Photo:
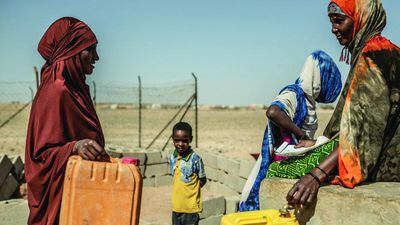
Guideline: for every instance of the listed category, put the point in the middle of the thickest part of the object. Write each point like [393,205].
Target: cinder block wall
[226,178]
[368,204]
[11,176]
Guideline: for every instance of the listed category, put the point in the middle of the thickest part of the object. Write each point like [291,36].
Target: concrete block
[236,183]
[5,168]
[8,187]
[166,153]
[209,159]
[213,220]
[14,212]
[157,169]
[229,165]
[141,155]
[143,170]
[222,177]
[149,182]
[232,204]
[18,167]
[211,173]
[245,167]
[374,203]
[163,181]
[213,207]
[155,157]
[114,153]
[220,189]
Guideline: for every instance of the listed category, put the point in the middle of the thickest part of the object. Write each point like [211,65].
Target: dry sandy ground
[225,131]
[156,204]
[232,132]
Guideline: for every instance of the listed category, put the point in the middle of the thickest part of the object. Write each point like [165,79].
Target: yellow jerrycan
[262,217]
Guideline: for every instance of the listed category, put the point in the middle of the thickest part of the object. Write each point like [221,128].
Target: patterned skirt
[296,166]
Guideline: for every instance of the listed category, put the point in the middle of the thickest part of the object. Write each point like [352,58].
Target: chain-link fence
[15,99]
[131,115]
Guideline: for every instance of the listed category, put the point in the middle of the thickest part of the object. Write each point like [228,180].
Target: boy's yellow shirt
[186,189]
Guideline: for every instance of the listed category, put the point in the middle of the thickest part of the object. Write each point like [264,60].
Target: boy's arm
[203,181]
[202,173]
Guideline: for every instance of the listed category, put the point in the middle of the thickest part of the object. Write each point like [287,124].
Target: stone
[163,181]
[8,187]
[245,168]
[157,170]
[212,220]
[5,168]
[232,204]
[213,206]
[374,203]
[229,165]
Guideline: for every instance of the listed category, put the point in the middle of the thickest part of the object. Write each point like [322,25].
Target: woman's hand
[305,143]
[90,150]
[304,191]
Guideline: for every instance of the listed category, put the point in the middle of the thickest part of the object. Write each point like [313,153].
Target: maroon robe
[61,114]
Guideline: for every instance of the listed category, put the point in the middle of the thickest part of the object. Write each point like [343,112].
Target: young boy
[189,176]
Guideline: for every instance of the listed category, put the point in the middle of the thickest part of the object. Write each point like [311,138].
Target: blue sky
[243,52]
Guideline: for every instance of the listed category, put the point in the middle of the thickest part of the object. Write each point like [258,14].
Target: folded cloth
[285,149]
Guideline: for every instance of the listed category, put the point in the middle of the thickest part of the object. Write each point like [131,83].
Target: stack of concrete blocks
[213,210]
[226,176]
[11,175]
[367,203]
[153,164]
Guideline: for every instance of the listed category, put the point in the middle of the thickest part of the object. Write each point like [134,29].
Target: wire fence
[132,115]
[15,99]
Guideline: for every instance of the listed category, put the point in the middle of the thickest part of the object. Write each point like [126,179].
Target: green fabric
[296,167]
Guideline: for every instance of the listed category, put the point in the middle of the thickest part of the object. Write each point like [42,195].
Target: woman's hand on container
[89,149]
[304,191]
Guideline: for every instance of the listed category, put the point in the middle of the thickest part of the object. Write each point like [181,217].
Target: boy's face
[181,141]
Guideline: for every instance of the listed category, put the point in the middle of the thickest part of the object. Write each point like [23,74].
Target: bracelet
[322,170]
[315,177]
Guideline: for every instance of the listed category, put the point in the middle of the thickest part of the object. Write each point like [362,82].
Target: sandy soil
[156,204]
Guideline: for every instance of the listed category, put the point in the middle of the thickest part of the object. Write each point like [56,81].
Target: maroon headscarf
[61,114]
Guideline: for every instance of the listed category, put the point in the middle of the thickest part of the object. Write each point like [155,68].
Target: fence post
[36,77]
[180,120]
[140,112]
[94,93]
[195,108]
[32,93]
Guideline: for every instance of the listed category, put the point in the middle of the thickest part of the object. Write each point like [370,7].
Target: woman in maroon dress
[63,120]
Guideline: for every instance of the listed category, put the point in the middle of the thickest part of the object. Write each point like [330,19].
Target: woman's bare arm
[279,118]
[305,190]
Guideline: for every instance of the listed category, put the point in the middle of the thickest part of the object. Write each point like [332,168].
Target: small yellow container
[261,217]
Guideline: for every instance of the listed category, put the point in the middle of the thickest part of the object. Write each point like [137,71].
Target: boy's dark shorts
[185,218]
